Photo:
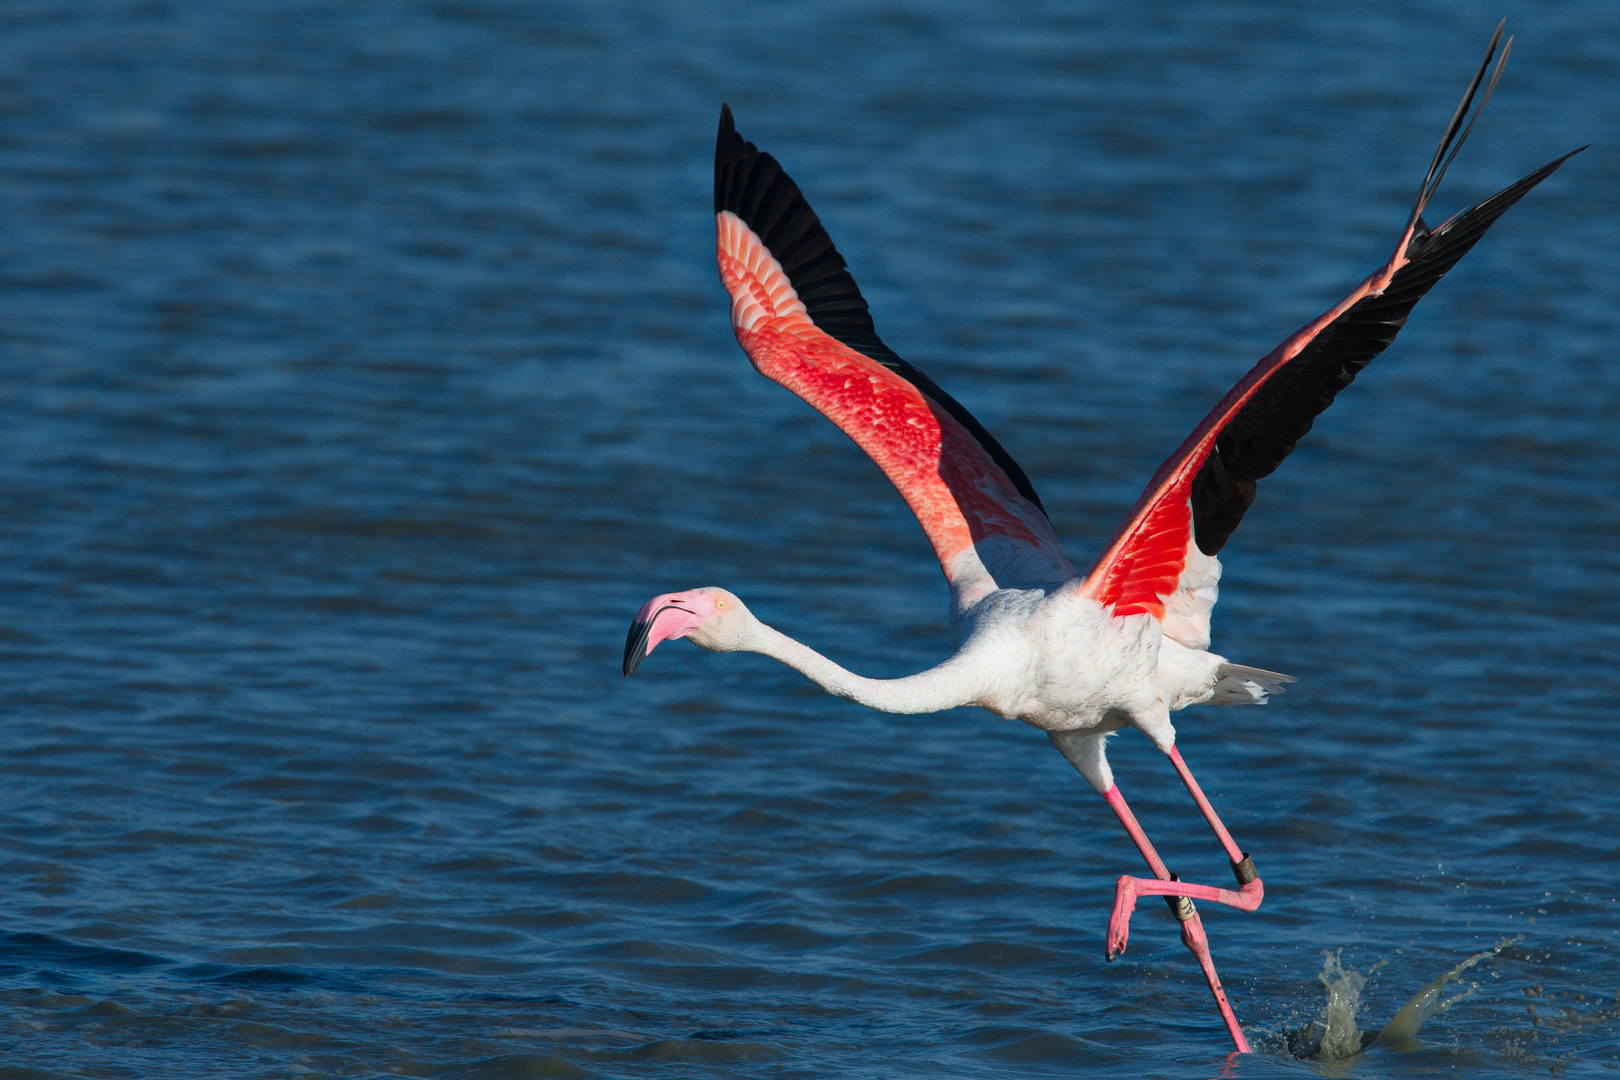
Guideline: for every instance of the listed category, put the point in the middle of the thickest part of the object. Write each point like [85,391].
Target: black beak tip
[635,643]
[635,646]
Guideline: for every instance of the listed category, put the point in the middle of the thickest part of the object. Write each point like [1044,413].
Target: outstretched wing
[802,321]
[1162,561]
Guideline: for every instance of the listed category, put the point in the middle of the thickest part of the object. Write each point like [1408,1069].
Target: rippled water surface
[364,369]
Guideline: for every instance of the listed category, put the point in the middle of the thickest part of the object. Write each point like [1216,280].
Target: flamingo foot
[1119,922]
[1179,895]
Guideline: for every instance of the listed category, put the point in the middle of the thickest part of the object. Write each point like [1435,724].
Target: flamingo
[1080,656]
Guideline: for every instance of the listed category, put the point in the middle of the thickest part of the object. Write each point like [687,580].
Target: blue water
[365,368]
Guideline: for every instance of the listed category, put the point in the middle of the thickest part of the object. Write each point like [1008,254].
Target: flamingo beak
[662,618]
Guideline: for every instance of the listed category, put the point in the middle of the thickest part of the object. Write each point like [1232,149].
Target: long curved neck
[953,683]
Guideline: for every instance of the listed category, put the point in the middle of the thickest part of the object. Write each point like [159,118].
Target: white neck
[953,683]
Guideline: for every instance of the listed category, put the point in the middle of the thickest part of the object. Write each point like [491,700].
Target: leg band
[1180,906]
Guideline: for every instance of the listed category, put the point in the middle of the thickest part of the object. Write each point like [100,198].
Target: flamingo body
[1124,644]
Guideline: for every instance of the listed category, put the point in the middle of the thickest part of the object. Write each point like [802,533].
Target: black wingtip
[728,147]
[1459,233]
[1442,160]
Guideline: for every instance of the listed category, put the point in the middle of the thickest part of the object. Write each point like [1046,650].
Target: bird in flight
[1078,655]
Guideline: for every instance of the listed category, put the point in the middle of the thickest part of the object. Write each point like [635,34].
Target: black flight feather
[1266,429]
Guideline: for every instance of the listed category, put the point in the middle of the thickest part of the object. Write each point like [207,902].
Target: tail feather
[1239,685]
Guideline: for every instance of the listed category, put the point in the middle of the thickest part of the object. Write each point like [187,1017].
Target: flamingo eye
[720,604]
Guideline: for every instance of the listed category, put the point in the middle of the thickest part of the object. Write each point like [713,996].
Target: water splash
[1400,1033]
[1335,1035]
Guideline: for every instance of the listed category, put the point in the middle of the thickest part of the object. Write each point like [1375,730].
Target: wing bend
[802,321]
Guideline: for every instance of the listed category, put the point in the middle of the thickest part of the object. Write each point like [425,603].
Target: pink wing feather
[976,506]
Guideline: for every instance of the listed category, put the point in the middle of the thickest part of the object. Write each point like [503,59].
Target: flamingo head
[709,617]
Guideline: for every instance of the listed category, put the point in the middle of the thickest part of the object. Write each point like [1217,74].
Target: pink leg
[1176,893]
[1237,857]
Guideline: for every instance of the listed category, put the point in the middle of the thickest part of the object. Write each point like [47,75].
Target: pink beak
[664,618]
